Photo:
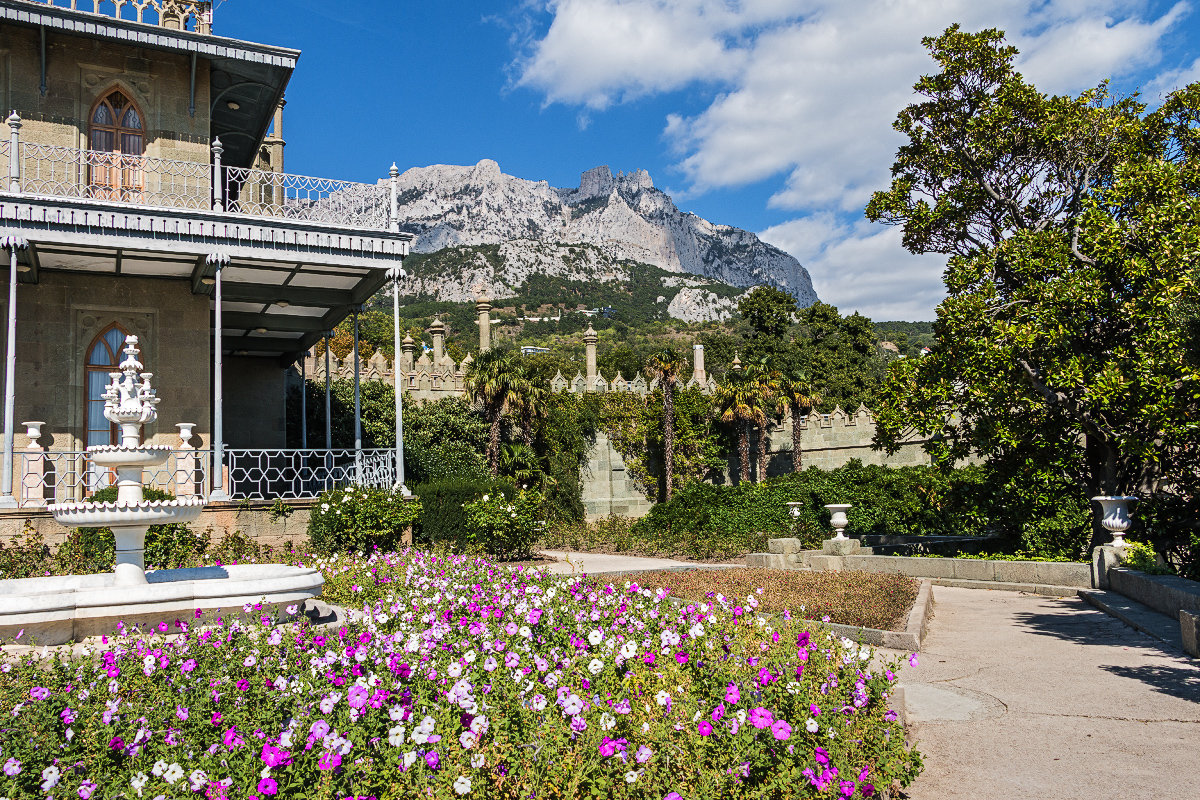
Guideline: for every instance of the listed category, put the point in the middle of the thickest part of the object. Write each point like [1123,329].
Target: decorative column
[14,154]
[483,309]
[304,401]
[13,243]
[33,467]
[218,180]
[437,331]
[408,349]
[698,374]
[218,261]
[328,400]
[185,465]
[394,207]
[397,375]
[589,345]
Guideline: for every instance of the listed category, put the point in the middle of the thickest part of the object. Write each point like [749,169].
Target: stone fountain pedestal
[56,610]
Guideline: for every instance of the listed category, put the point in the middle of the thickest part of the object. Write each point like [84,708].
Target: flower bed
[861,599]
[463,679]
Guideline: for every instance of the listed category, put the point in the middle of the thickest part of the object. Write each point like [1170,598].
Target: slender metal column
[397,378]
[303,402]
[328,399]
[13,243]
[357,404]
[219,490]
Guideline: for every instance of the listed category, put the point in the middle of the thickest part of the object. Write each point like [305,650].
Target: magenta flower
[761,718]
[649,658]
[821,755]
[357,696]
[268,786]
[188,665]
[275,757]
[608,747]
[681,657]
[781,730]
[718,712]
[866,790]
[432,759]
[333,761]
[672,796]
[803,639]
[846,788]
[912,660]
[39,693]
[643,754]
[182,713]
[732,695]
[12,767]
[704,728]
[86,789]
[116,744]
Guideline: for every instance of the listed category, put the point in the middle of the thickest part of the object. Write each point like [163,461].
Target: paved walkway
[1022,696]
[596,563]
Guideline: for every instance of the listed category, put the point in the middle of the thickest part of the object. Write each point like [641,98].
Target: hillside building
[145,195]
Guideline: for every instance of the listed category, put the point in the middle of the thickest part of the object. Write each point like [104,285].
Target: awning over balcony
[271,307]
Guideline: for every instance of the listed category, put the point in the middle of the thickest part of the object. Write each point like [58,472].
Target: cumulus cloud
[805,91]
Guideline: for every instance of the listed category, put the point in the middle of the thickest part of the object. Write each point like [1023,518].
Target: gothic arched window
[103,356]
[117,142]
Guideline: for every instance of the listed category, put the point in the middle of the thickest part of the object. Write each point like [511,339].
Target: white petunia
[396,736]
[595,666]
[173,773]
[462,784]
[811,725]
[607,721]
[596,636]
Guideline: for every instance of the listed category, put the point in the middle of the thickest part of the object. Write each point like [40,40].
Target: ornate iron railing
[188,15]
[261,193]
[55,171]
[56,476]
[296,474]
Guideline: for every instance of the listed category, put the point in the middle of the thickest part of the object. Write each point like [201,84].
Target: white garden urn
[838,519]
[794,508]
[1114,510]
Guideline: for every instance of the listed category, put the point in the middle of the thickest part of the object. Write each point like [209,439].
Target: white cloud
[862,267]
[806,90]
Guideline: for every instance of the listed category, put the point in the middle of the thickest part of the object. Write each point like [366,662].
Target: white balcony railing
[187,15]
[42,170]
[57,476]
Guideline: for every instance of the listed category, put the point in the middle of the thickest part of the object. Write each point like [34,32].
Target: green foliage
[443,523]
[1070,223]
[769,311]
[1141,556]
[357,519]
[505,527]
[443,439]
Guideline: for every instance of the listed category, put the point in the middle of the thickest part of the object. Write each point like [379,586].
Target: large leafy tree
[1072,226]
[666,365]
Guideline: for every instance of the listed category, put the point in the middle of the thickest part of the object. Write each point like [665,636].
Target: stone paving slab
[1025,696]
[1137,616]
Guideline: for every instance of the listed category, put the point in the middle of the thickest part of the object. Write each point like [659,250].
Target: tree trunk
[797,455]
[1102,479]
[764,440]
[494,445]
[668,437]
[744,449]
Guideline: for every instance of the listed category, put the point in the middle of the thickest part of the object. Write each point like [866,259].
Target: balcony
[180,15]
[49,171]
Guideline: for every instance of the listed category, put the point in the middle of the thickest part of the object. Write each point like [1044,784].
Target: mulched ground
[850,598]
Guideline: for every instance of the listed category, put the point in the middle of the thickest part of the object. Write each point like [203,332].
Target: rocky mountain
[623,215]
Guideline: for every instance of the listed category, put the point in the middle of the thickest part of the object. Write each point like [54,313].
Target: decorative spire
[127,402]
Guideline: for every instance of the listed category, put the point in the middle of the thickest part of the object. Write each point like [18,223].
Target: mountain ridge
[624,216]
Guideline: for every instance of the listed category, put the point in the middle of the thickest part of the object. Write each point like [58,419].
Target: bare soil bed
[861,599]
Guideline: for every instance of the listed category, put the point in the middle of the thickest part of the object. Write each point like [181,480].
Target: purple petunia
[432,759]
[39,693]
[761,718]
[268,786]
[732,695]
[357,696]
[331,761]
[781,730]
[705,728]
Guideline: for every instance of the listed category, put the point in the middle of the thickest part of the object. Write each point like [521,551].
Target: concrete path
[597,563]
[1023,696]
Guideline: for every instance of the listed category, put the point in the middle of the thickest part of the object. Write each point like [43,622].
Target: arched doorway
[117,142]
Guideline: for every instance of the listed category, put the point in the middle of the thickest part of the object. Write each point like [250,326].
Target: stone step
[1136,615]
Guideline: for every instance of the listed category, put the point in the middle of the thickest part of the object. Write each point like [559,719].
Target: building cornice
[198,232]
[144,35]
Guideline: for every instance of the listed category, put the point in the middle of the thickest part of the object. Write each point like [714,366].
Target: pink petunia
[781,730]
[761,718]
[704,728]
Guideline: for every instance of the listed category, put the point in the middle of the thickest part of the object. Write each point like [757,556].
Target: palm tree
[666,365]
[496,382]
[743,401]
[796,397]
[530,402]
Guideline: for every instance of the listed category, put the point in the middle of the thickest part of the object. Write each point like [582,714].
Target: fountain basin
[56,610]
[118,514]
[142,456]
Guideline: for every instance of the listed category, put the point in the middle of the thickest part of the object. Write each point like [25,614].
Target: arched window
[117,142]
[102,358]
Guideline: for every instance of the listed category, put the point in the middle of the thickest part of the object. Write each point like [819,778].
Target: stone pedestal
[1104,558]
[1189,627]
[842,547]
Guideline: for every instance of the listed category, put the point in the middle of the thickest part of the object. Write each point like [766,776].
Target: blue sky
[771,115]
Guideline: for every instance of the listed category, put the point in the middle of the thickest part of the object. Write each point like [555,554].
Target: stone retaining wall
[1166,594]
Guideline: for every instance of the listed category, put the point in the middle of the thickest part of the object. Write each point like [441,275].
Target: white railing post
[33,467]
[218,183]
[219,490]
[14,156]
[357,402]
[394,209]
[328,417]
[397,382]
[185,466]
[13,243]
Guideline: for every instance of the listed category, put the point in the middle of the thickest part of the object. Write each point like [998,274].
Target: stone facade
[61,317]
[79,71]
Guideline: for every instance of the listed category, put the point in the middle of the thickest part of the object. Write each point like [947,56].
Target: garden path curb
[1137,616]
[914,631]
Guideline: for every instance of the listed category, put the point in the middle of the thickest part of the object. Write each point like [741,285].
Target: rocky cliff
[623,215]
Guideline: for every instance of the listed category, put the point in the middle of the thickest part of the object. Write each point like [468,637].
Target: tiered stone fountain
[60,609]
[129,403]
